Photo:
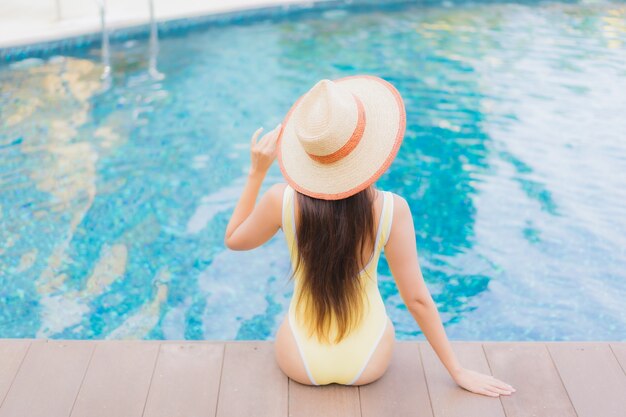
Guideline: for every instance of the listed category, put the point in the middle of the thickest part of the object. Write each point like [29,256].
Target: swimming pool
[113,202]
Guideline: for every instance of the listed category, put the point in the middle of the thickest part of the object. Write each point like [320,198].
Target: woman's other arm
[250,226]
[401,254]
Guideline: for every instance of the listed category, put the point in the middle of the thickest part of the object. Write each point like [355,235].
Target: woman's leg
[290,361]
[379,362]
[288,355]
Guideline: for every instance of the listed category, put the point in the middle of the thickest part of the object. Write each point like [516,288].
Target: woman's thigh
[379,362]
[288,355]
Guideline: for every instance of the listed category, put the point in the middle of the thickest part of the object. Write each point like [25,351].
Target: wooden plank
[619,350]
[12,352]
[48,380]
[592,377]
[186,380]
[117,380]
[447,397]
[527,366]
[332,400]
[186,377]
[252,383]
[402,390]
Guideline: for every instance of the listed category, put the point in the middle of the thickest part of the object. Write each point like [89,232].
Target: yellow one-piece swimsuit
[344,362]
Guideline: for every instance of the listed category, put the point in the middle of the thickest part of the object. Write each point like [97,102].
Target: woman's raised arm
[250,226]
[401,254]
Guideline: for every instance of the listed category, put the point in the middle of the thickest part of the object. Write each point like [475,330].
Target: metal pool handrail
[106,52]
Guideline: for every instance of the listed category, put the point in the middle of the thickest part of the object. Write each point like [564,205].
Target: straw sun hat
[341,135]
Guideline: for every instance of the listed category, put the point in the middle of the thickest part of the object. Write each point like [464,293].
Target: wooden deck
[51,378]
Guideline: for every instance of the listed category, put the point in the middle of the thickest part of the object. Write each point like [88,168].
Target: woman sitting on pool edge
[334,143]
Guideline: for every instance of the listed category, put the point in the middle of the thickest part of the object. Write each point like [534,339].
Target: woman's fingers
[277,128]
[487,392]
[270,138]
[484,384]
[496,385]
[501,384]
[499,390]
[492,390]
[255,135]
[274,143]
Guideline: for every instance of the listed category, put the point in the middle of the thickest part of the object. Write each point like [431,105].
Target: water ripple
[113,203]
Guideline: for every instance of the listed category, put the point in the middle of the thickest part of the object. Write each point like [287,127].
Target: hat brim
[385,124]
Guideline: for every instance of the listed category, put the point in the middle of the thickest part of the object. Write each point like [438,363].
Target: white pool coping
[25,22]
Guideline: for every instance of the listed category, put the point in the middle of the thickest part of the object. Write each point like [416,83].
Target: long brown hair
[331,236]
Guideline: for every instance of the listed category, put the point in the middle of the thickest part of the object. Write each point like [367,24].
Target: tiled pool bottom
[113,202]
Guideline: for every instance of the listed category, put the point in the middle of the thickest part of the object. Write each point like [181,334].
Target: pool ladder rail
[106,51]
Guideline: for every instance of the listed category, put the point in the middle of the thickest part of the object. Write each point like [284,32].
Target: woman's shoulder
[400,205]
[397,198]
[277,190]
[279,186]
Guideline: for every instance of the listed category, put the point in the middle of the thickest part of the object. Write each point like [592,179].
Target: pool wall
[31,21]
[24,34]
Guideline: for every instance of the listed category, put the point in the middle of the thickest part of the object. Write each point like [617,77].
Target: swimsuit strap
[387,219]
[286,208]
[288,218]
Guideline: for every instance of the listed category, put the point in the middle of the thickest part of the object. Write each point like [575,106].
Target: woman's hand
[481,383]
[263,152]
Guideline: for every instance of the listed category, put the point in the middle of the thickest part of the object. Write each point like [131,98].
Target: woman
[334,143]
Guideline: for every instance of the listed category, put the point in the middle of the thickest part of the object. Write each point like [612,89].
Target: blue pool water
[114,202]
